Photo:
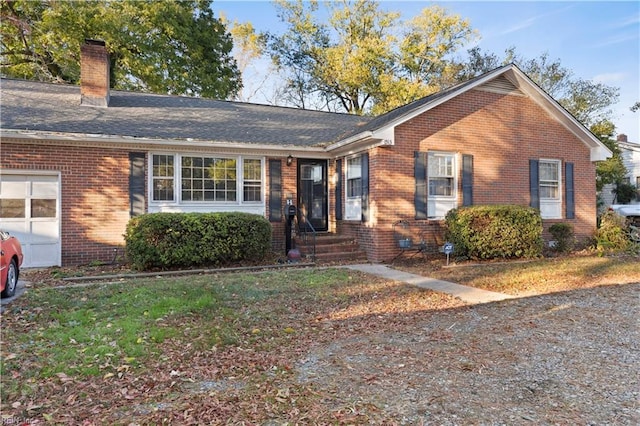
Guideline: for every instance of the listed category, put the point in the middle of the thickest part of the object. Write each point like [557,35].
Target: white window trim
[439,205]
[353,205]
[551,208]
[177,181]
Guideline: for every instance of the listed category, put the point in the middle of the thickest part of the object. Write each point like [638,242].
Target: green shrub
[612,233]
[625,193]
[563,235]
[486,232]
[169,240]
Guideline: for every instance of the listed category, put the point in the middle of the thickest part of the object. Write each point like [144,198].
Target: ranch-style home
[76,163]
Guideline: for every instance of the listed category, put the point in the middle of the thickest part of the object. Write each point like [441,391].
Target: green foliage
[612,234]
[503,231]
[169,240]
[588,101]
[563,236]
[357,60]
[175,47]
[625,193]
[612,170]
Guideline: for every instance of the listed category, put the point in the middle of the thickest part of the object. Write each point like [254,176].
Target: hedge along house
[77,163]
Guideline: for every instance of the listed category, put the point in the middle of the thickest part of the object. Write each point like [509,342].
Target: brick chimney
[622,138]
[94,74]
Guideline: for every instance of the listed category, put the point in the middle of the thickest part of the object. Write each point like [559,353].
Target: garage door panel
[20,230]
[29,210]
[42,255]
[43,232]
[12,188]
[44,189]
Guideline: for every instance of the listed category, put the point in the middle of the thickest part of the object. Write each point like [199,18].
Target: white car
[630,211]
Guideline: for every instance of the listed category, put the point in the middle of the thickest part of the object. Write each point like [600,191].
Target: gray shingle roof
[44,107]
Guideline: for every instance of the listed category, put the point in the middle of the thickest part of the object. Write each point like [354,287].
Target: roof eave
[159,144]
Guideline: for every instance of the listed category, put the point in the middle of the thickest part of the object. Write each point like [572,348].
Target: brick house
[77,162]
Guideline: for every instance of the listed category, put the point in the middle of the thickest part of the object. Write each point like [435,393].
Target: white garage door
[30,210]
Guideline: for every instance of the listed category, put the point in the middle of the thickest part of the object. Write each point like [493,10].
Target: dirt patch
[555,359]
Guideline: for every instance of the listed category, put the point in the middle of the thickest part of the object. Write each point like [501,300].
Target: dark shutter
[339,189]
[275,190]
[136,183]
[534,185]
[420,175]
[569,192]
[467,180]
[365,187]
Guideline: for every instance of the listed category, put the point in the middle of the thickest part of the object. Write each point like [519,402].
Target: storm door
[313,193]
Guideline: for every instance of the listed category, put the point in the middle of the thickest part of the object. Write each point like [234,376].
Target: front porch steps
[331,248]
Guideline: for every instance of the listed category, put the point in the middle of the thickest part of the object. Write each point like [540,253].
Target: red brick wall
[94,195]
[94,74]
[502,132]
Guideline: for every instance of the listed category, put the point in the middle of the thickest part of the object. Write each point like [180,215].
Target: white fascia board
[164,144]
[352,139]
[363,142]
[599,151]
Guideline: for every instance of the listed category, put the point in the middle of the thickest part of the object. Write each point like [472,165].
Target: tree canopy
[357,60]
[175,47]
[588,101]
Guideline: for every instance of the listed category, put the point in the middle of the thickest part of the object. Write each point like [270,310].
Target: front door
[313,193]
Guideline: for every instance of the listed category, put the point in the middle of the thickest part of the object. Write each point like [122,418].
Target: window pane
[252,184]
[12,208]
[440,165]
[162,177]
[43,208]
[549,179]
[163,189]
[354,187]
[252,169]
[548,171]
[354,167]
[548,191]
[354,177]
[441,186]
[252,193]
[440,171]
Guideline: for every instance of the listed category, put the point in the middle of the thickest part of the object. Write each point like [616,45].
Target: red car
[10,262]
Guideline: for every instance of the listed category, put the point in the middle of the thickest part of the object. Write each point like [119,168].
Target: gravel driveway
[565,358]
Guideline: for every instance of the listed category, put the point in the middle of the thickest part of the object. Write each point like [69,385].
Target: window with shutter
[441,183]
[546,187]
[353,205]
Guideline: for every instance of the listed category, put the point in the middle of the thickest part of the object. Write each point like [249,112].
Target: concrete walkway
[466,294]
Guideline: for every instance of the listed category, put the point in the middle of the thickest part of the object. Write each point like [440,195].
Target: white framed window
[200,179]
[353,205]
[252,180]
[163,178]
[442,183]
[550,187]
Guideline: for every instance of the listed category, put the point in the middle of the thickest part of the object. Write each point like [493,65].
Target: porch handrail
[304,231]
